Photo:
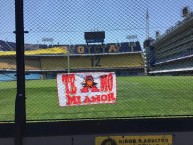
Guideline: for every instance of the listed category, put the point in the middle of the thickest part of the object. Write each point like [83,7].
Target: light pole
[68,61]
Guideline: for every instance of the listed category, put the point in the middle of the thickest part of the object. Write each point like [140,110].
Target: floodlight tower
[186,12]
[147,41]
[147,24]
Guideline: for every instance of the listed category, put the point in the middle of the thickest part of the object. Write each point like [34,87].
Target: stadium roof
[172,70]
[172,60]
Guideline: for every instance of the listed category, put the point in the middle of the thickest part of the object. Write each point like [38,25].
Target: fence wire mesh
[146,44]
[7,62]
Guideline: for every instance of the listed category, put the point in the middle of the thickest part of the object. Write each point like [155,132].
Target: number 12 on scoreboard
[95,61]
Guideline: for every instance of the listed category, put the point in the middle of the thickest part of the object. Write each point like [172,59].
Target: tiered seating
[118,61]
[91,62]
[32,64]
[106,48]
[107,61]
[10,64]
[138,46]
[125,47]
[80,48]
[7,63]
[53,63]
[111,55]
[7,46]
[184,63]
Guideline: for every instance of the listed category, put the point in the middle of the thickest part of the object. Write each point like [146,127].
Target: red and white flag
[86,88]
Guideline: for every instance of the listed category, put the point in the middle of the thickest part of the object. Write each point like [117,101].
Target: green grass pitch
[163,96]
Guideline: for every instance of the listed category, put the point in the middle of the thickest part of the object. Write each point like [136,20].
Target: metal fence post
[20,112]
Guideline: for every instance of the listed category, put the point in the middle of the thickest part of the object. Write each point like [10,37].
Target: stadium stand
[79,48]
[107,61]
[7,46]
[53,63]
[35,46]
[7,63]
[123,58]
[32,64]
[106,48]
[173,51]
[89,62]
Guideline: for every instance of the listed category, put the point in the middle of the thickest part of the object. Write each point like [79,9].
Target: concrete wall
[179,138]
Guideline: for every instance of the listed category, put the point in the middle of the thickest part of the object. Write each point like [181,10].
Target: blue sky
[66,20]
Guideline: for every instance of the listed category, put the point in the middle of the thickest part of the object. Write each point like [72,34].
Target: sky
[66,20]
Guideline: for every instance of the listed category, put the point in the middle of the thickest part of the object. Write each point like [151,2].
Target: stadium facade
[124,58]
[172,52]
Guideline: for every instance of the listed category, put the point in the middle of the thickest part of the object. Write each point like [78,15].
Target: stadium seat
[107,61]
[7,63]
[32,64]
[53,63]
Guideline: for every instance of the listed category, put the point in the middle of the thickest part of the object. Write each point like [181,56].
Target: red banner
[86,88]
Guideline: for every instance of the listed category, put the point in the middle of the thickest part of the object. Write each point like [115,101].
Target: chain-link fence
[7,62]
[100,59]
